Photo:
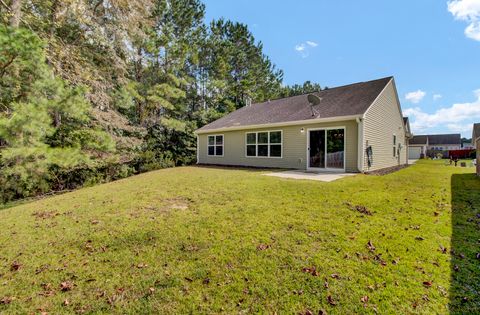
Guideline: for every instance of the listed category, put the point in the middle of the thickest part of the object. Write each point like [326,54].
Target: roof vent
[313,100]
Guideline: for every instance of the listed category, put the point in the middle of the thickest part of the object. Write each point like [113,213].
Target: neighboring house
[355,128]
[467,144]
[476,141]
[420,146]
[417,147]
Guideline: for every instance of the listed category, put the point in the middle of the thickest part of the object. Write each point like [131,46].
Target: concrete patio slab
[323,177]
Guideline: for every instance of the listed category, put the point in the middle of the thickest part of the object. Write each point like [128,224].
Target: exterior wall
[478,156]
[444,147]
[294,148]
[381,121]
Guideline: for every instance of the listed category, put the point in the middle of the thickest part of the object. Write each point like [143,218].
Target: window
[264,144]
[394,145]
[215,145]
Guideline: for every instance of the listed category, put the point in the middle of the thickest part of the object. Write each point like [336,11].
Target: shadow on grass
[241,168]
[465,246]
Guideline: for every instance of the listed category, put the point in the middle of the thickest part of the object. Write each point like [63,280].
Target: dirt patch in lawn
[388,170]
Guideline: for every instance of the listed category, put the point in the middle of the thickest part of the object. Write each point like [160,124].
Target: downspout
[361,156]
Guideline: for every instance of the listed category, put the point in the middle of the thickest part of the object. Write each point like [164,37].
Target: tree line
[95,90]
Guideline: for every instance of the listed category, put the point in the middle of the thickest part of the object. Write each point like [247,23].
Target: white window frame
[267,144]
[215,145]
[307,156]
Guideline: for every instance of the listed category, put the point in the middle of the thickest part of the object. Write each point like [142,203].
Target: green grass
[187,240]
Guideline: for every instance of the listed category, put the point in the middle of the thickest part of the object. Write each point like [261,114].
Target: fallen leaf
[7,300]
[335,276]
[263,246]
[456,268]
[419,238]
[151,290]
[364,299]
[94,222]
[427,284]
[15,266]
[66,286]
[66,302]
[142,265]
[188,279]
[331,301]
[311,270]
[206,281]
[370,246]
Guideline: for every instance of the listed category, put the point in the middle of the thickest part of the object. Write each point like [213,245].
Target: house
[417,147]
[420,146]
[476,142]
[354,128]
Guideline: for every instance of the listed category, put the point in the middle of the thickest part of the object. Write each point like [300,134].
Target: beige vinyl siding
[381,121]
[294,147]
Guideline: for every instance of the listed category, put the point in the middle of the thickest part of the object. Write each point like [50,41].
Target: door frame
[326,169]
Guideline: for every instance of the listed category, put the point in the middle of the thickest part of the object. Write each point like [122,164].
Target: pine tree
[43,123]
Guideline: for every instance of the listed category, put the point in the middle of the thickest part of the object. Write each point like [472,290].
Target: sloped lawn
[210,240]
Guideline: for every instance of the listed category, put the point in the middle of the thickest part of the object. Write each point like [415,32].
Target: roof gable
[348,100]
[418,140]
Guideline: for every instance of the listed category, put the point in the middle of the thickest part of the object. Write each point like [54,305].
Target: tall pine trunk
[16,7]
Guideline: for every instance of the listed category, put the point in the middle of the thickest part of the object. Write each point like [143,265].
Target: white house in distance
[419,145]
[355,128]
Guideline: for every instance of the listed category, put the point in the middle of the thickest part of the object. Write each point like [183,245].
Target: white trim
[215,145]
[360,157]
[281,124]
[198,149]
[344,150]
[267,144]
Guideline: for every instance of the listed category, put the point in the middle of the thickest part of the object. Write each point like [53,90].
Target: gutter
[280,124]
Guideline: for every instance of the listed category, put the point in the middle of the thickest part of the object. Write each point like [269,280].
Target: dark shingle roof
[445,139]
[418,140]
[353,99]
[437,139]
[476,131]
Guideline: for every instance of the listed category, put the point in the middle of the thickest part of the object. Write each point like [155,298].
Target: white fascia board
[281,124]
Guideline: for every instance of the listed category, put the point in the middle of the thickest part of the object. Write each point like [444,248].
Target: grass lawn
[211,240]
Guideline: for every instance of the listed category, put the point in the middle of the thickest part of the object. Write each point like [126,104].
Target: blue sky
[432,47]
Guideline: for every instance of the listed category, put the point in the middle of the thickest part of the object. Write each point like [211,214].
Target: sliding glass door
[326,149]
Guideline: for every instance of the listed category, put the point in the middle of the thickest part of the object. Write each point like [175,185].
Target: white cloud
[468,11]
[459,117]
[415,96]
[300,47]
[304,48]
[437,96]
[473,30]
[460,128]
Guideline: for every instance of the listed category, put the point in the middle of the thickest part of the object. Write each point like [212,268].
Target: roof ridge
[327,89]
